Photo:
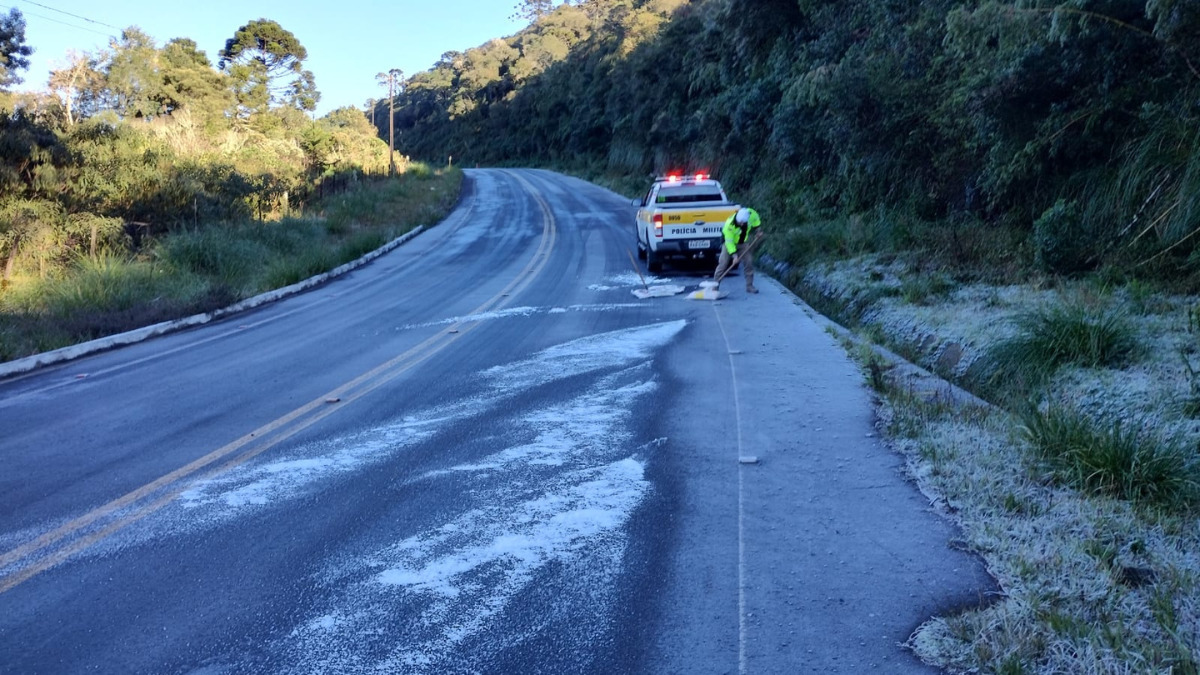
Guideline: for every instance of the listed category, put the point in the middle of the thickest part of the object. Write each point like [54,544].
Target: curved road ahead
[479,453]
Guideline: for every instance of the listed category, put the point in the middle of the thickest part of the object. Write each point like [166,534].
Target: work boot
[751,289]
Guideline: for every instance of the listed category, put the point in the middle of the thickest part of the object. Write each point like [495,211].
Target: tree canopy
[530,10]
[14,53]
[947,111]
[138,133]
[266,64]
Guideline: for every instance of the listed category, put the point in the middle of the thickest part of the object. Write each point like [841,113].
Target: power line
[47,18]
[55,9]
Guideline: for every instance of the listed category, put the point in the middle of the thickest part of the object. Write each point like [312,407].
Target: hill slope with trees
[1002,133]
[149,183]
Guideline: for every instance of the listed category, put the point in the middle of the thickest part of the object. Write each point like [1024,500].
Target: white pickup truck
[681,217]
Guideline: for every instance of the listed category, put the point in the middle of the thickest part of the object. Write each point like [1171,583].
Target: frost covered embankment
[1091,583]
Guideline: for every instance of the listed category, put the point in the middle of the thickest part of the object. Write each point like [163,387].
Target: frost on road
[530,532]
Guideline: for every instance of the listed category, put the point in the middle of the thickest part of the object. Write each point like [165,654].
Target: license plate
[698,243]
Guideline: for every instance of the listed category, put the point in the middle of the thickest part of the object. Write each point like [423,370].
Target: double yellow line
[60,544]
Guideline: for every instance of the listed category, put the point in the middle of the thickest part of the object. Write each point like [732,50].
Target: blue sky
[348,41]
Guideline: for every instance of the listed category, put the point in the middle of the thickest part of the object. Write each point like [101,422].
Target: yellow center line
[349,392]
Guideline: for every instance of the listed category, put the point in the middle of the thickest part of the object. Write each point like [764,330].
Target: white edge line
[737,413]
[82,349]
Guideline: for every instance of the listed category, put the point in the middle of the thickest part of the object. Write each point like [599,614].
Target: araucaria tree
[14,53]
[531,10]
[266,65]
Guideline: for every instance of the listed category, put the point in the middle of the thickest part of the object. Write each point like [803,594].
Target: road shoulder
[825,554]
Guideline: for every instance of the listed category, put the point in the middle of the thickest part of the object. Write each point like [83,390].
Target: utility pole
[392,77]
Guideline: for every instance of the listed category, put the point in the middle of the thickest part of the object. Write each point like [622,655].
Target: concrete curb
[919,379]
[29,363]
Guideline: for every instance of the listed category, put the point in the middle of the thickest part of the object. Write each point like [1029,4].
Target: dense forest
[1006,135]
[142,139]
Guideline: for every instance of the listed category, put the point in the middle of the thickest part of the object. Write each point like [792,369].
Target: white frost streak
[520,312]
[585,355]
[256,485]
[512,545]
[556,505]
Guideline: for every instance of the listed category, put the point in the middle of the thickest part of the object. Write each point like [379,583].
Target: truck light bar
[678,177]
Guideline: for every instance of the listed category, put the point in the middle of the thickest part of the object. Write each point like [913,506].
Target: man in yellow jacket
[737,231]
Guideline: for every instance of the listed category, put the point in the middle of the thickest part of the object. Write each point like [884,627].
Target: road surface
[479,453]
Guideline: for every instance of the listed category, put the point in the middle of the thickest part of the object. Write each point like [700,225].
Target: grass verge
[1086,522]
[216,265]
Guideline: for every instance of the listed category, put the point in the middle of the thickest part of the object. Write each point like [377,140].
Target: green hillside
[151,182]
[999,137]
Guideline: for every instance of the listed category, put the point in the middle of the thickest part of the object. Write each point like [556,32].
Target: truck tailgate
[690,216]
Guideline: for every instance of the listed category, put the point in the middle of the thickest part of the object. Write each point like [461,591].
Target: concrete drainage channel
[916,379]
[29,363]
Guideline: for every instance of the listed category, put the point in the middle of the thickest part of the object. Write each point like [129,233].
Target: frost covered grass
[1081,496]
[1050,338]
[1123,458]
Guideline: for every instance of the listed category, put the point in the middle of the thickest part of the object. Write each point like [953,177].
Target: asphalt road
[479,453]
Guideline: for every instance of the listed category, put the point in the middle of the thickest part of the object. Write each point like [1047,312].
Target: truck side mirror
[638,202]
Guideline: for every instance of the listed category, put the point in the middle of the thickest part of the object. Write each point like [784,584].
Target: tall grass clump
[110,283]
[412,200]
[224,254]
[1049,339]
[360,244]
[1122,458]
[287,271]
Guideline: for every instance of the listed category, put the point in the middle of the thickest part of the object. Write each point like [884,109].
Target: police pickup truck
[680,217]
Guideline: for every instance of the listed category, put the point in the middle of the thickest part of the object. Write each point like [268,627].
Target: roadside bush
[105,283]
[361,244]
[1123,459]
[288,271]
[1059,239]
[921,289]
[82,297]
[1049,339]
[224,254]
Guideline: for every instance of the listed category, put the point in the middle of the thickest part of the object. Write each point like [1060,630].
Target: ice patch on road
[266,483]
[627,279]
[538,531]
[434,592]
[550,513]
[461,578]
[589,354]
[260,484]
[520,312]
[567,430]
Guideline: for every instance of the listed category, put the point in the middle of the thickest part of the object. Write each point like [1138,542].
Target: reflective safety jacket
[736,235]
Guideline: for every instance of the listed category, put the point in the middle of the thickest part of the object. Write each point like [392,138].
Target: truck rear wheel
[653,261]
